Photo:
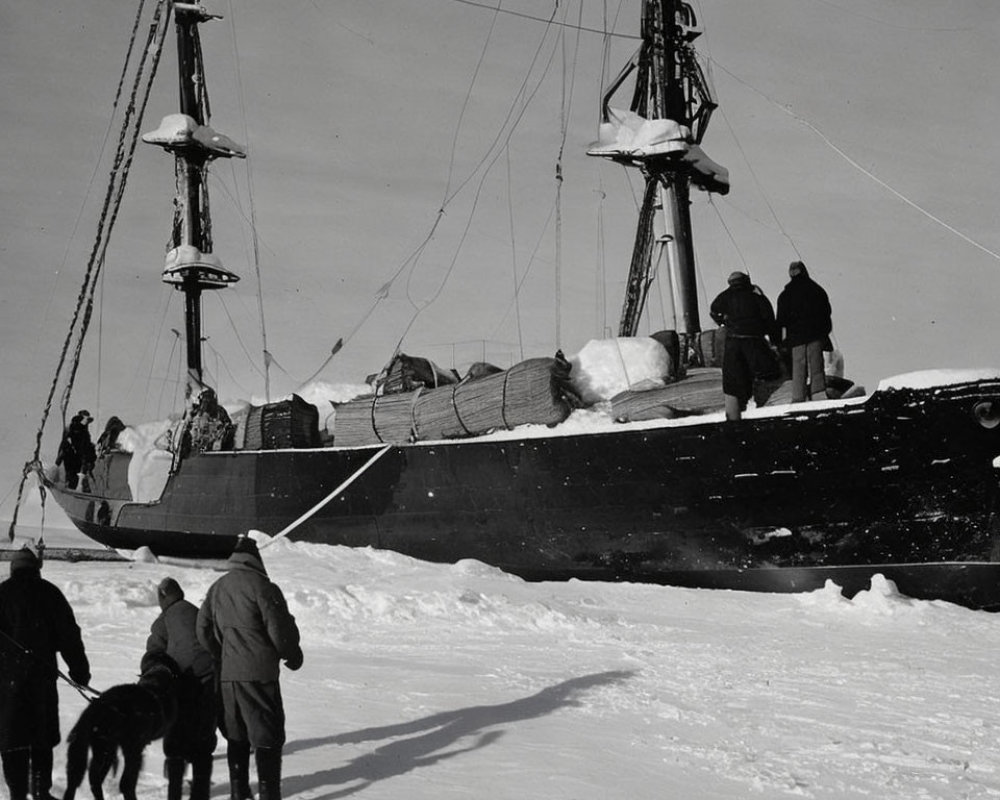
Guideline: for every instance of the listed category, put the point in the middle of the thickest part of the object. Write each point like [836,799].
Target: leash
[87,692]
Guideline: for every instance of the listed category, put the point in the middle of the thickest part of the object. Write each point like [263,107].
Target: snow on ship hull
[903,484]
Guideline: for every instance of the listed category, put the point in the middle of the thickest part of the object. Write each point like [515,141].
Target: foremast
[669,112]
[191,267]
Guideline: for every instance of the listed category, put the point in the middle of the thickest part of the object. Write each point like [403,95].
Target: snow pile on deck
[606,367]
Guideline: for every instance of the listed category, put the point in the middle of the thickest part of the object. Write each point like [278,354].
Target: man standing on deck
[748,318]
[36,623]
[246,625]
[804,315]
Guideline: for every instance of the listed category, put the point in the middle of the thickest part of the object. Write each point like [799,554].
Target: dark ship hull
[903,483]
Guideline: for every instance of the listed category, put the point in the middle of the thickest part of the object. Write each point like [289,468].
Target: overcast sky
[859,136]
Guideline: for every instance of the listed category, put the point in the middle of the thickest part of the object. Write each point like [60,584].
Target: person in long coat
[36,624]
[805,317]
[76,451]
[748,317]
[245,624]
[191,739]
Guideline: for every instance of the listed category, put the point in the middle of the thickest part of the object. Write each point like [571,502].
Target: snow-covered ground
[431,681]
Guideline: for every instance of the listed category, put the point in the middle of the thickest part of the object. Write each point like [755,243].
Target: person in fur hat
[36,625]
[246,625]
[192,738]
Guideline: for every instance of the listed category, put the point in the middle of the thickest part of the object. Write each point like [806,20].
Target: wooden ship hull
[902,483]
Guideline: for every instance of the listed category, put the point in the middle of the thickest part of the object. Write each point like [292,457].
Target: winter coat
[35,616]
[246,625]
[804,311]
[174,633]
[745,311]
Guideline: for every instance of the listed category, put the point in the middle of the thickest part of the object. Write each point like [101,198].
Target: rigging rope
[513,262]
[255,242]
[484,167]
[128,138]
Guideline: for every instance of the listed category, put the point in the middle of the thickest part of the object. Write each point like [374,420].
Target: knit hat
[244,544]
[24,559]
[739,278]
[168,592]
[796,268]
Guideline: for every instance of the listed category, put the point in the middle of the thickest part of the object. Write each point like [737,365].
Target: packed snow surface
[436,681]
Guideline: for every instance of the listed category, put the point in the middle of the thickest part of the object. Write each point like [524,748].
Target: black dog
[126,717]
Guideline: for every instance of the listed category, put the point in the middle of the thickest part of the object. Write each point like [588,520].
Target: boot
[201,777]
[238,756]
[15,772]
[174,768]
[41,773]
[269,772]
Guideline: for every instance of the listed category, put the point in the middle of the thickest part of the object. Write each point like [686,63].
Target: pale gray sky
[350,109]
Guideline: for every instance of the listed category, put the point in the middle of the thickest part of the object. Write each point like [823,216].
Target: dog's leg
[132,753]
[100,765]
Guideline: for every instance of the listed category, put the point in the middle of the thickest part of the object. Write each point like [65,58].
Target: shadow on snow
[434,738]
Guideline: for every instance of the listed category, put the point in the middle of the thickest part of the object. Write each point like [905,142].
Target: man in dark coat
[192,737]
[804,314]
[36,623]
[76,451]
[748,318]
[246,625]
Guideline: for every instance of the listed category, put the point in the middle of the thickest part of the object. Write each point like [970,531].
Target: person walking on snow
[245,624]
[191,739]
[36,624]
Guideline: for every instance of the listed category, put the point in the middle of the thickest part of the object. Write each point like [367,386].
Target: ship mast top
[191,267]
[660,135]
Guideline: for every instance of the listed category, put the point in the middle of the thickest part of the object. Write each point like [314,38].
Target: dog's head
[158,668]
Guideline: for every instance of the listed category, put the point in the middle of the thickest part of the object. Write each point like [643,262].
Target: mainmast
[191,267]
[660,135]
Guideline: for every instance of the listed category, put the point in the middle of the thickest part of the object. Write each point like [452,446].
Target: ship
[663,489]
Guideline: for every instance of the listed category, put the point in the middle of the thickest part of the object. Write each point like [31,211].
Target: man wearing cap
[192,737]
[748,318]
[76,451]
[246,625]
[36,623]
[804,315]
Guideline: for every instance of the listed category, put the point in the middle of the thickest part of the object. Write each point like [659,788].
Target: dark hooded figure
[804,314]
[36,624]
[76,451]
[192,738]
[246,625]
[107,442]
[748,317]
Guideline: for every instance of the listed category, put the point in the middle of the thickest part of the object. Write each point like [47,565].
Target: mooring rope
[364,468]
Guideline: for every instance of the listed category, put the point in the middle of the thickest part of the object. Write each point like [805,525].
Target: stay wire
[866,172]
[255,242]
[483,168]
